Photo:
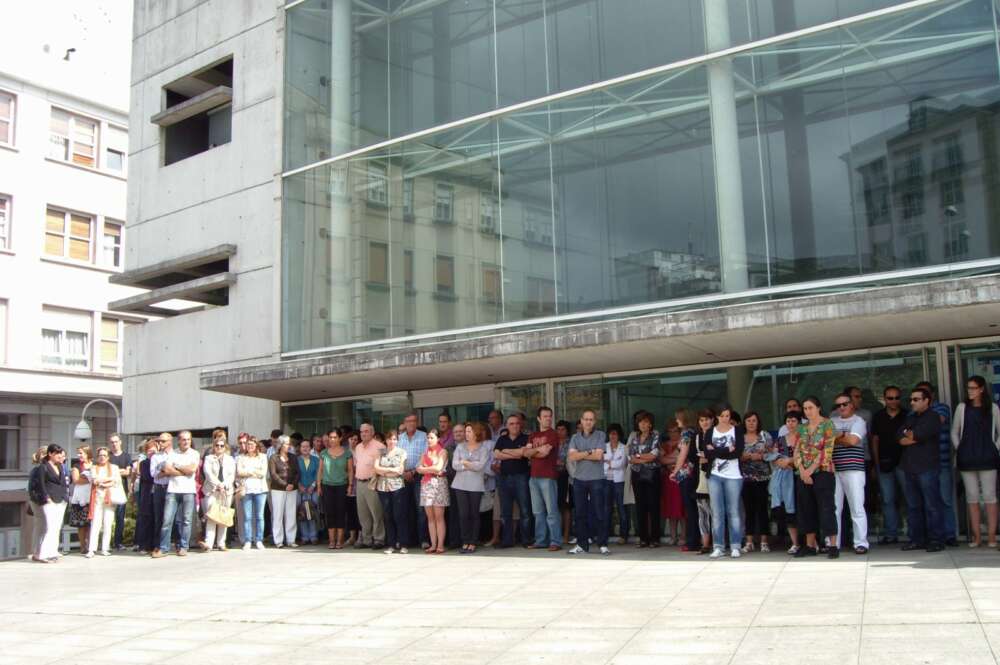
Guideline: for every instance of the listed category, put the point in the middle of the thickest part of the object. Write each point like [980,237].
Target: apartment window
[111,335]
[4,222]
[68,234]
[875,185]
[338,180]
[491,284]
[952,194]
[73,138]
[10,442]
[956,246]
[66,338]
[916,250]
[3,332]
[378,185]
[487,214]
[198,114]
[115,149]
[408,198]
[378,263]
[537,226]
[541,298]
[111,244]
[444,272]
[444,202]
[7,108]
[408,269]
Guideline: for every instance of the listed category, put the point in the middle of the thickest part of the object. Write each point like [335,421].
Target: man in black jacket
[919,462]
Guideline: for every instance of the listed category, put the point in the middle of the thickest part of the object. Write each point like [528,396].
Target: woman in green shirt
[336,472]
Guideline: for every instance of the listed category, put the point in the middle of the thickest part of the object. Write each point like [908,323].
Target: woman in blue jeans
[251,469]
[725,482]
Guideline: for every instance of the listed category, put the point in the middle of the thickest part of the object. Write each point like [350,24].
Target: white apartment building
[63,169]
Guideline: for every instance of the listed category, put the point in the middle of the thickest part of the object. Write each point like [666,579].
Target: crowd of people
[709,482]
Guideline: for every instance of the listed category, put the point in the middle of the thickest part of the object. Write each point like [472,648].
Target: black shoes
[832,552]
[935,547]
[909,547]
[805,551]
[951,542]
[886,540]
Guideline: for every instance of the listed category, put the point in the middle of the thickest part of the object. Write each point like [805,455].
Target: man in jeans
[849,463]
[123,461]
[414,442]
[512,481]
[946,478]
[586,449]
[180,467]
[886,452]
[161,480]
[543,452]
[920,463]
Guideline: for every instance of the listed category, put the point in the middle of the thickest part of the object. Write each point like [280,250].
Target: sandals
[748,547]
[765,548]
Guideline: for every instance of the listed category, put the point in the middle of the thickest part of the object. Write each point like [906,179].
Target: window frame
[384,247]
[377,185]
[11,120]
[96,241]
[119,246]
[440,259]
[4,310]
[116,367]
[439,205]
[6,221]
[63,356]
[17,446]
[71,140]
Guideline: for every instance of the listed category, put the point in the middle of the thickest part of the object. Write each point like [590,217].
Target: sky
[37,34]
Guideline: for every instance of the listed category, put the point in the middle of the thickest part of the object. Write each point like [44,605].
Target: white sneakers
[604,550]
[577,550]
[260,545]
[387,550]
[246,546]
[735,553]
[716,554]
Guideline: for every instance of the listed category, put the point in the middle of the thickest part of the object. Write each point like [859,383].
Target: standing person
[816,487]
[542,452]
[886,453]
[975,435]
[491,494]
[644,458]
[586,449]
[671,502]
[702,440]
[434,491]
[615,468]
[946,479]
[121,459]
[472,456]
[454,530]
[686,473]
[781,487]
[353,523]
[36,495]
[146,536]
[725,482]
[920,462]
[849,464]
[283,473]
[445,429]
[180,467]
[165,444]
[414,443]
[251,473]
[791,404]
[105,484]
[756,477]
[512,483]
[393,494]
[565,482]
[369,506]
[52,499]
[79,503]
[218,481]
[336,469]
[308,464]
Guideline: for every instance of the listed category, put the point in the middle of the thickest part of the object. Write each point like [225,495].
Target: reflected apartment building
[479,203]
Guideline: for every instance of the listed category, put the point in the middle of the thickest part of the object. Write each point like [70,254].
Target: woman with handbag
[218,478]
[106,494]
[79,500]
[644,457]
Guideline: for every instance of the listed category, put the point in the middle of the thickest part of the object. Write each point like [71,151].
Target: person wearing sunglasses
[920,462]
[218,480]
[849,464]
[975,434]
[886,452]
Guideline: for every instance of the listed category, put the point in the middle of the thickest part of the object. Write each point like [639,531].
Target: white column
[726,151]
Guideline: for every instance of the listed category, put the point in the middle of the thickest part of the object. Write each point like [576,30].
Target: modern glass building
[631,204]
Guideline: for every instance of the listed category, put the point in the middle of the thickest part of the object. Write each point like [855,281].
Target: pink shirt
[364,459]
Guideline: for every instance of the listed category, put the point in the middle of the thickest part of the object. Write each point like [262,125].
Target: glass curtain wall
[851,151]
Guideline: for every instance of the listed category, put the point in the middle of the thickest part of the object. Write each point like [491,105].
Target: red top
[545,467]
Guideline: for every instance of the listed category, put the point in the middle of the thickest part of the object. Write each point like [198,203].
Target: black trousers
[453,533]
[815,510]
[468,515]
[395,517]
[692,534]
[159,500]
[647,508]
[755,502]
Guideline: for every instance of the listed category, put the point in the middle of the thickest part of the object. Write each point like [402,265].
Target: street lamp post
[83,431]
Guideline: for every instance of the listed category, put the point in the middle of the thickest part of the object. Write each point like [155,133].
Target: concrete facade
[228,194]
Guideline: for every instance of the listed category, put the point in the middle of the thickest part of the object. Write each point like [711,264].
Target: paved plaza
[660,607]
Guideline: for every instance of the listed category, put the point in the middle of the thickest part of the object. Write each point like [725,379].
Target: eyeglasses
[892,398]
[841,405]
[220,445]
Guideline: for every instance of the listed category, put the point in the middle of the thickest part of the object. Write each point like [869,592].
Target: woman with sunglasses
[975,434]
[218,479]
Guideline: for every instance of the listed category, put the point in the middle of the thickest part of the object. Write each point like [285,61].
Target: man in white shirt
[849,464]
[180,468]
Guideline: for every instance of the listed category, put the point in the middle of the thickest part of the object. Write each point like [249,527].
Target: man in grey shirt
[586,448]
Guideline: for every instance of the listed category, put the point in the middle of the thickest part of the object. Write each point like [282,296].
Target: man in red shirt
[543,452]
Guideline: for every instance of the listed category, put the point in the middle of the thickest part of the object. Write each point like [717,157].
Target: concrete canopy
[914,313]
